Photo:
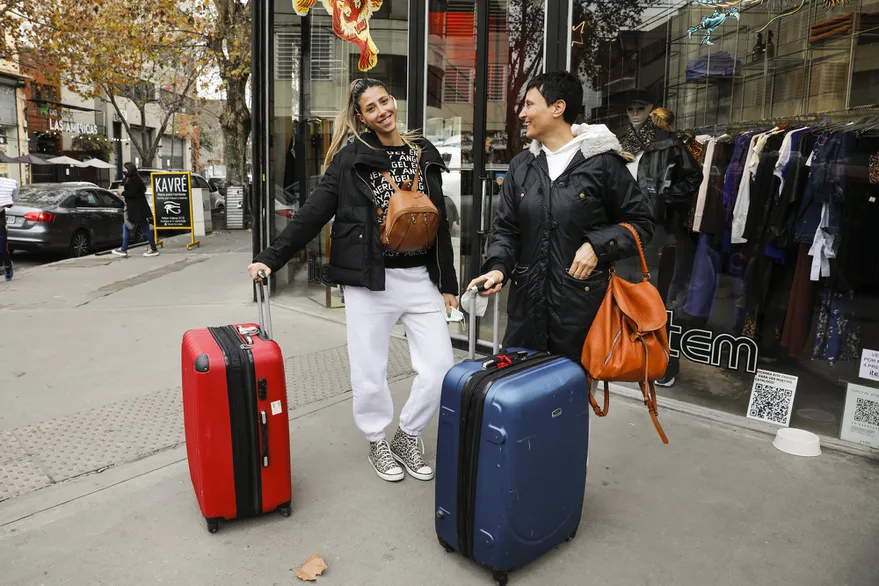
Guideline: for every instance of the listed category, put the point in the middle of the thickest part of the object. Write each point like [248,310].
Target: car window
[87,199]
[108,200]
[200,182]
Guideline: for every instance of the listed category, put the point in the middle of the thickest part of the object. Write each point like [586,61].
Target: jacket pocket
[582,297]
[348,246]
[518,287]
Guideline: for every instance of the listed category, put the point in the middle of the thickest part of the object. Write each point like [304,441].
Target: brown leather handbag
[628,341]
[412,220]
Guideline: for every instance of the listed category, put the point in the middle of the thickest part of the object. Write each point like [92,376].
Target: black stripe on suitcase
[241,390]
[472,407]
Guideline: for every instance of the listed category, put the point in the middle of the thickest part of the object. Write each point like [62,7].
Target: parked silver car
[72,218]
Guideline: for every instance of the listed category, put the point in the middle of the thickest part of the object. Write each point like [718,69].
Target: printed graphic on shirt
[403,160]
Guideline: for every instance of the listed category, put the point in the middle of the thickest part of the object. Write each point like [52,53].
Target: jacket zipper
[439,267]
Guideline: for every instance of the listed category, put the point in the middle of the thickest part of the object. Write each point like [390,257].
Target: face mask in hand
[467,302]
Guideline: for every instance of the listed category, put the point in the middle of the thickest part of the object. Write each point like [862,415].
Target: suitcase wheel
[285,510]
[446,546]
[213,525]
[500,578]
[573,535]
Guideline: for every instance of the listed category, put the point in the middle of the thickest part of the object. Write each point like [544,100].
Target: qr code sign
[772,397]
[867,411]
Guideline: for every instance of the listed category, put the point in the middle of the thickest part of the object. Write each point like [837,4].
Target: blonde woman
[381,287]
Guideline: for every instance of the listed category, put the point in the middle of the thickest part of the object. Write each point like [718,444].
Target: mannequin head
[638,113]
[639,107]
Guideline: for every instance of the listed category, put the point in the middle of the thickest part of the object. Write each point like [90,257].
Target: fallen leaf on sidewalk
[313,567]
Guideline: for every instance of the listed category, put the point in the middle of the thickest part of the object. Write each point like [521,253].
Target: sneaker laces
[414,454]
[381,455]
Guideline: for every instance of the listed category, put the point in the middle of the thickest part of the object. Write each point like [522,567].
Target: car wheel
[139,236]
[79,244]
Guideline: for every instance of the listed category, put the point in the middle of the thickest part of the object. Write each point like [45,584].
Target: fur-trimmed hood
[594,139]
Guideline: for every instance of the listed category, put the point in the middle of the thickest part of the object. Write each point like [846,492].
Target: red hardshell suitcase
[235,416]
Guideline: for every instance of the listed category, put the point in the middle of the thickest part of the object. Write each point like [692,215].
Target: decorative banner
[860,421]
[718,17]
[350,23]
[772,397]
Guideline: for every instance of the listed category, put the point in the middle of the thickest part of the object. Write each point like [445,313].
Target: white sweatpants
[371,315]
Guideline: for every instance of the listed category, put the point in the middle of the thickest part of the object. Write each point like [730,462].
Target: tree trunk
[236,122]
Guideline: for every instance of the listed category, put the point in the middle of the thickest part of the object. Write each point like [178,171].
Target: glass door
[473,101]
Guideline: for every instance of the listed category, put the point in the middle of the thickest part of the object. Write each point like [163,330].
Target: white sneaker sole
[387,477]
[413,473]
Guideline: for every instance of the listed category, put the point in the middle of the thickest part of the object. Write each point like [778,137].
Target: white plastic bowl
[797,442]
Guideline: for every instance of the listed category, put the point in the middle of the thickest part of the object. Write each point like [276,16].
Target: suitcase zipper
[473,397]
[244,422]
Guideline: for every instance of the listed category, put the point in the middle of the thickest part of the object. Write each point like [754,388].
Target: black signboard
[172,200]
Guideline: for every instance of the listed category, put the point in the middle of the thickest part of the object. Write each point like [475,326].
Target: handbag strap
[644,272]
[598,410]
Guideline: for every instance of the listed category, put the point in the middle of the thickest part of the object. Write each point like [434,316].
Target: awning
[98,164]
[30,160]
[66,161]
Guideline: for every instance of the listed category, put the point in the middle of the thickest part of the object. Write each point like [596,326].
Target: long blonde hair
[348,125]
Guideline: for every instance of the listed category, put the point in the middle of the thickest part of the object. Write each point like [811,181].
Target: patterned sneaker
[119,252]
[381,459]
[151,253]
[405,450]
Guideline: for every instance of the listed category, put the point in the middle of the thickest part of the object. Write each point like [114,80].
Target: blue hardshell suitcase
[511,459]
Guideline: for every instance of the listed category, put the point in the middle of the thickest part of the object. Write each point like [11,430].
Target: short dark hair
[560,85]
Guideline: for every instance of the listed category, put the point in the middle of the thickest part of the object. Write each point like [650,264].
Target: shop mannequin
[669,177]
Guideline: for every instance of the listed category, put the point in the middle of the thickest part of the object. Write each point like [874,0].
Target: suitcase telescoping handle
[496,328]
[263,306]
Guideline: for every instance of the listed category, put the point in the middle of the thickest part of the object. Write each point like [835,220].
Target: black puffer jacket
[356,253]
[669,176]
[540,225]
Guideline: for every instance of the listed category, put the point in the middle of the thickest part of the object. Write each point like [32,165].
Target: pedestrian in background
[8,196]
[137,211]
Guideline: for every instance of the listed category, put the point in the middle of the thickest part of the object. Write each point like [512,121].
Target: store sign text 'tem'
[706,347]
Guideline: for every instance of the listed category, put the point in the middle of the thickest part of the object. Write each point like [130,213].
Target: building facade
[13,141]
[779,322]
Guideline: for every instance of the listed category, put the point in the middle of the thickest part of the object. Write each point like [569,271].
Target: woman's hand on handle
[492,280]
[255,268]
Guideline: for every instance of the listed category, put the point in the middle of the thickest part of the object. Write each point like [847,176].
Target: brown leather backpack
[628,341]
[412,220]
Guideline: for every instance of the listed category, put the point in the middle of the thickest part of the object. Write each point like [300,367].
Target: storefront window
[314,63]
[760,159]
[766,191]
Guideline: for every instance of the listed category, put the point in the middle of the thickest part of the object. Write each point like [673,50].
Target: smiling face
[638,113]
[378,110]
[538,116]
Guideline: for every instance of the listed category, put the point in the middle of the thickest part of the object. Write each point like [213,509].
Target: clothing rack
[798,119]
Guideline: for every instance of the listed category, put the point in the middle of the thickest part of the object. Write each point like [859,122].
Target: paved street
[95,489]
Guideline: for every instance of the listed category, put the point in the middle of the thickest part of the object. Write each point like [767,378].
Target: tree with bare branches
[119,51]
